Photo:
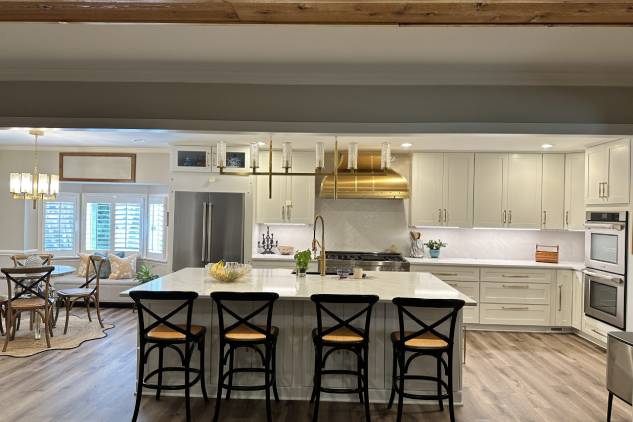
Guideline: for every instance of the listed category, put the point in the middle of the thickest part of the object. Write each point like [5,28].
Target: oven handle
[617,279]
[609,226]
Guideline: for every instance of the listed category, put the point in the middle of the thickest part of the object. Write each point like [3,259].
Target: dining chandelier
[34,186]
[319,162]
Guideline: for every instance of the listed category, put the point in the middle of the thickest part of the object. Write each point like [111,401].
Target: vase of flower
[434,247]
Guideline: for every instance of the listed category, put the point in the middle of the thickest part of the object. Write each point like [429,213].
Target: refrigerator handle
[204,234]
[210,233]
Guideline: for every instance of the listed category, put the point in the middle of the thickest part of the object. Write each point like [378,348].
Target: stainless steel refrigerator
[208,226]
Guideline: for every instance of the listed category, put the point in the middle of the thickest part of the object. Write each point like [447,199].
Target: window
[157,227]
[59,229]
[113,223]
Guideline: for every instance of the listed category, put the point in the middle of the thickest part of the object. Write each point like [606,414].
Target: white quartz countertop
[386,285]
[569,265]
[273,257]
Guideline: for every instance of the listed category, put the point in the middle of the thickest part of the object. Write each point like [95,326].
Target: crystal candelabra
[268,242]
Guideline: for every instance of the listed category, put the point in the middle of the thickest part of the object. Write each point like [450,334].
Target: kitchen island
[294,314]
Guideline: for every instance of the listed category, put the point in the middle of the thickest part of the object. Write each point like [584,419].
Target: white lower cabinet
[508,314]
[563,299]
[512,293]
[578,300]
[470,289]
[596,329]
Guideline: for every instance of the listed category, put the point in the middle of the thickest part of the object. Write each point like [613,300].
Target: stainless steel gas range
[368,261]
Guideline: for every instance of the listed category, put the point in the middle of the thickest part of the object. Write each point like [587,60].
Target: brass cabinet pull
[515,308]
[288,211]
[510,217]
[544,218]
[515,286]
[446,274]
[515,275]
[504,216]
[283,212]
[445,216]
[439,215]
[567,218]
[606,189]
[598,332]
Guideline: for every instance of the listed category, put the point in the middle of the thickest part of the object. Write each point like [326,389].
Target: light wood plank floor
[508,377]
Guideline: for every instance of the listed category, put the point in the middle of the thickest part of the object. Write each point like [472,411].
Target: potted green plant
[434,247]
[302,260]
[145,274]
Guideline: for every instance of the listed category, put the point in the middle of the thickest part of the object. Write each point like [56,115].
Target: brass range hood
[369,182]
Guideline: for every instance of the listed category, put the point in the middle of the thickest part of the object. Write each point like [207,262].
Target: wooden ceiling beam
[405,12]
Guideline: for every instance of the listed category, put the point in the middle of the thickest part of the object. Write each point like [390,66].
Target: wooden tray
[547,254]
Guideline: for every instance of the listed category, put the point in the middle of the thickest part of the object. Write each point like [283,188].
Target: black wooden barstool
[244,333]
[425,340]
[164,334]
[342,336]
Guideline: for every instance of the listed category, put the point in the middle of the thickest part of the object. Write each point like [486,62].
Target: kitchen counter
[476,262]
[272,257]
[294,314]
[386,285]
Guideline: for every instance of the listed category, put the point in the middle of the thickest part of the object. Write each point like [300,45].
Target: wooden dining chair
[88,292]
[19,260]
[26,295]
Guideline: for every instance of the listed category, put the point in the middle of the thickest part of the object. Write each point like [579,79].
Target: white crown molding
[149,150]
[280,74]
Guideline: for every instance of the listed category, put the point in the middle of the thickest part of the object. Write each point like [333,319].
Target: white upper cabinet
[459,169]
[525,173]
[574,191]
[508,190]
[553,191]
[292,199]
[427,170]
[607,173]
[442,189]
[489,190]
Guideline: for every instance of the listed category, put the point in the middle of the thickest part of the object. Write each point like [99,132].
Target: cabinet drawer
[596,329]
[529,293]
[518,275]
[470,289]
[514,314]
[451,273]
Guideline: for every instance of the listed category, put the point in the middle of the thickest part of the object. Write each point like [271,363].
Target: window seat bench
[109,290]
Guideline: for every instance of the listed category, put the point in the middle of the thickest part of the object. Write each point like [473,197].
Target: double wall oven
[605,262]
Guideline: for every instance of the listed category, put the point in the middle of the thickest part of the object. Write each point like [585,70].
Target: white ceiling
[144,138]
[316,54]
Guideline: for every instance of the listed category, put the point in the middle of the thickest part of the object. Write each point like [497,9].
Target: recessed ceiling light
[546,146]
[406,145]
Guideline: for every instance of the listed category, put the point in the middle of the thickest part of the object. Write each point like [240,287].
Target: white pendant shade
[319,155]
[220,155]
[34,185]
[352,156]
[385,156]
[254,155]
[286,155]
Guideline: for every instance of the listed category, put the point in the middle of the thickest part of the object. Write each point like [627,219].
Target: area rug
[80,330]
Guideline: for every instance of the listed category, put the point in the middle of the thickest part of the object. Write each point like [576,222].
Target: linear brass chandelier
[319,166]
[34,186]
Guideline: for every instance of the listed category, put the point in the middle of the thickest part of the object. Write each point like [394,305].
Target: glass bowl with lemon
[227,272]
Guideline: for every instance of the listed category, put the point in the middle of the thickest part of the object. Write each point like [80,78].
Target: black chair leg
[314,377]
[317,390]
[231,358]
[609,406]
[160,371]
[439,384]
[275,393]
[402,373]
[218,396]
[359,368]
[394,377]
[266,383]
[366,383]
[139,382]
[203,384]
[188,354]
[449,374]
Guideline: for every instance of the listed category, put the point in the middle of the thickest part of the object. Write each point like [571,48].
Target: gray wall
[320,108]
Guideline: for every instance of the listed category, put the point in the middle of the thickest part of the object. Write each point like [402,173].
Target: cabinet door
[596,167]
[427,171]
[617,187]
[563,298]
[301,190]
[525,175]
[575,191]
[553,191]
[577,306]
[458,189]
[271,210]
[489,198]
